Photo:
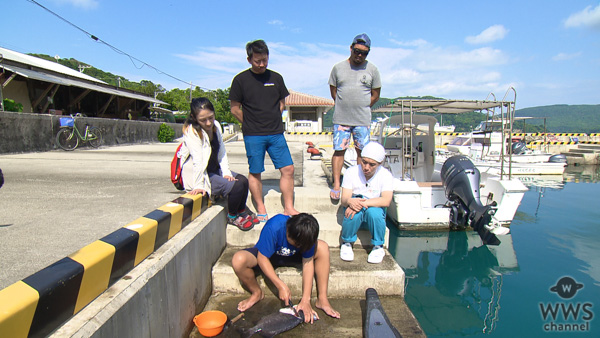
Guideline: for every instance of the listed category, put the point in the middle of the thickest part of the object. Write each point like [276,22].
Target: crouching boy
[283,241]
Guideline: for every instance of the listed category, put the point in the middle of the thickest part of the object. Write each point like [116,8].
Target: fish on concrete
[275,323]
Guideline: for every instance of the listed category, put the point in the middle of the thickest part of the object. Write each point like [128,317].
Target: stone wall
[23,132]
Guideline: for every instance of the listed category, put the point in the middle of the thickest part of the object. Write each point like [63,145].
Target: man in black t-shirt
[257,100]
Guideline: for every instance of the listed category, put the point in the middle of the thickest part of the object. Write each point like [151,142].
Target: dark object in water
[519,148]
[1,179]
[558,158]
[275,323]
[460,178]
[377,323]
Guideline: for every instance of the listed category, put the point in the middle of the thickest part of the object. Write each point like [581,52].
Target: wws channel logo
[566,315]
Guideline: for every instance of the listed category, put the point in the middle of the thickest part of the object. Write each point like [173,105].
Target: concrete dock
[54,203]
[348,280]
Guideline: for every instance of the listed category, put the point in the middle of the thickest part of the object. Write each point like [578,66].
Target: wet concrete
[352,311]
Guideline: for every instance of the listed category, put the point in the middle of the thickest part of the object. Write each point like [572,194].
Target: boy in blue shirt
[286,240]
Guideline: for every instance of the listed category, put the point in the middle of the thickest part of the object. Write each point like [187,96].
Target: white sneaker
[376,255]
[346,253]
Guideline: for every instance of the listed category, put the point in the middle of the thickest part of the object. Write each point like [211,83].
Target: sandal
[262,217]
[250,215]
[241,222]
[334,194]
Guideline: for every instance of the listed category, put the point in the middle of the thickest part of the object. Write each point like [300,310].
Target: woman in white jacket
[206,168]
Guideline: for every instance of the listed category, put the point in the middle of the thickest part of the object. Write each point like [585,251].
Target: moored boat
[421,198]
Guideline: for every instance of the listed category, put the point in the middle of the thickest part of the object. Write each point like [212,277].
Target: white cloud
[283,27]
[413,43]
[422,70]
[589,17]
[493,33]
[565,56]
[229,60]
[85,4]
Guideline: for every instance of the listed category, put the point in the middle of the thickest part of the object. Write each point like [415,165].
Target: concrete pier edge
[164,291]
[38,304]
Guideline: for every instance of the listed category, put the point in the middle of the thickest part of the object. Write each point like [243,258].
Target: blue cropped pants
[372,218]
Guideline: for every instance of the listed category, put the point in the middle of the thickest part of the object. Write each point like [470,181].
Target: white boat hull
[540,168]
[420,204]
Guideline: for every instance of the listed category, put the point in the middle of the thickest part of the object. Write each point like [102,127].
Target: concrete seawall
[23,132]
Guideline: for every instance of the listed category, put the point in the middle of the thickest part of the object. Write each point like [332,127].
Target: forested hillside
[564,118]
[559,118]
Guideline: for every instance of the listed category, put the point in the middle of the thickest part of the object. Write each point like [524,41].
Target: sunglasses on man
[360,51]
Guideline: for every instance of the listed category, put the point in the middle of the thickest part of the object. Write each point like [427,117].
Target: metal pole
[545,136]
[1,86]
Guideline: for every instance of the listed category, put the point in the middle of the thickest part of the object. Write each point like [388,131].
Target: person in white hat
[367,189]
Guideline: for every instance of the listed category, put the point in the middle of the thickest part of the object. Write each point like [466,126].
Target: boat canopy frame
[412,106]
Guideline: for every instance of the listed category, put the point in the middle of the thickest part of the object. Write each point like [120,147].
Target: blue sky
[548,50]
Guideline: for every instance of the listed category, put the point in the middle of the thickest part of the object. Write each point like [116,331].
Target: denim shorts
[341,136]
[275,145]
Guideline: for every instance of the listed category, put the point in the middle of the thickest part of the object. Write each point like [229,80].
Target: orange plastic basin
[210,323]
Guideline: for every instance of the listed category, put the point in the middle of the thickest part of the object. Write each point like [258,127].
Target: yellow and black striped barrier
[40,303]
[554,142]
[449,134]
[524,134]
[310,133]
[550,134]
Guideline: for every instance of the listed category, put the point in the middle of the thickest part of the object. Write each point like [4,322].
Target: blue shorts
[275,145]
[341,136]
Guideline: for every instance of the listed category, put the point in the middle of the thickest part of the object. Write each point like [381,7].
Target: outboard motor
[519,148]
[460,178]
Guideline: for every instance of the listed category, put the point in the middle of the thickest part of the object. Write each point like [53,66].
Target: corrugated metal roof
[48,71]
[64,81]
[301,99]
[8,54]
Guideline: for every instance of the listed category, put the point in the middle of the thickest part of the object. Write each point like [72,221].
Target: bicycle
[69,135]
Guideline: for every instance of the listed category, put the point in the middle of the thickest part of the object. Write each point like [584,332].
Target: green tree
[11,105]
[178,99]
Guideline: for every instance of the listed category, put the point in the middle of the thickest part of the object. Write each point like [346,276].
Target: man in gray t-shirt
[355,86]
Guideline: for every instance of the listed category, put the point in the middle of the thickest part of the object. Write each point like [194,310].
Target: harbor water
[543,279]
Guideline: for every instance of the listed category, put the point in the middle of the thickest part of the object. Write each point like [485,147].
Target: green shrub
[165,133]
[11,105]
